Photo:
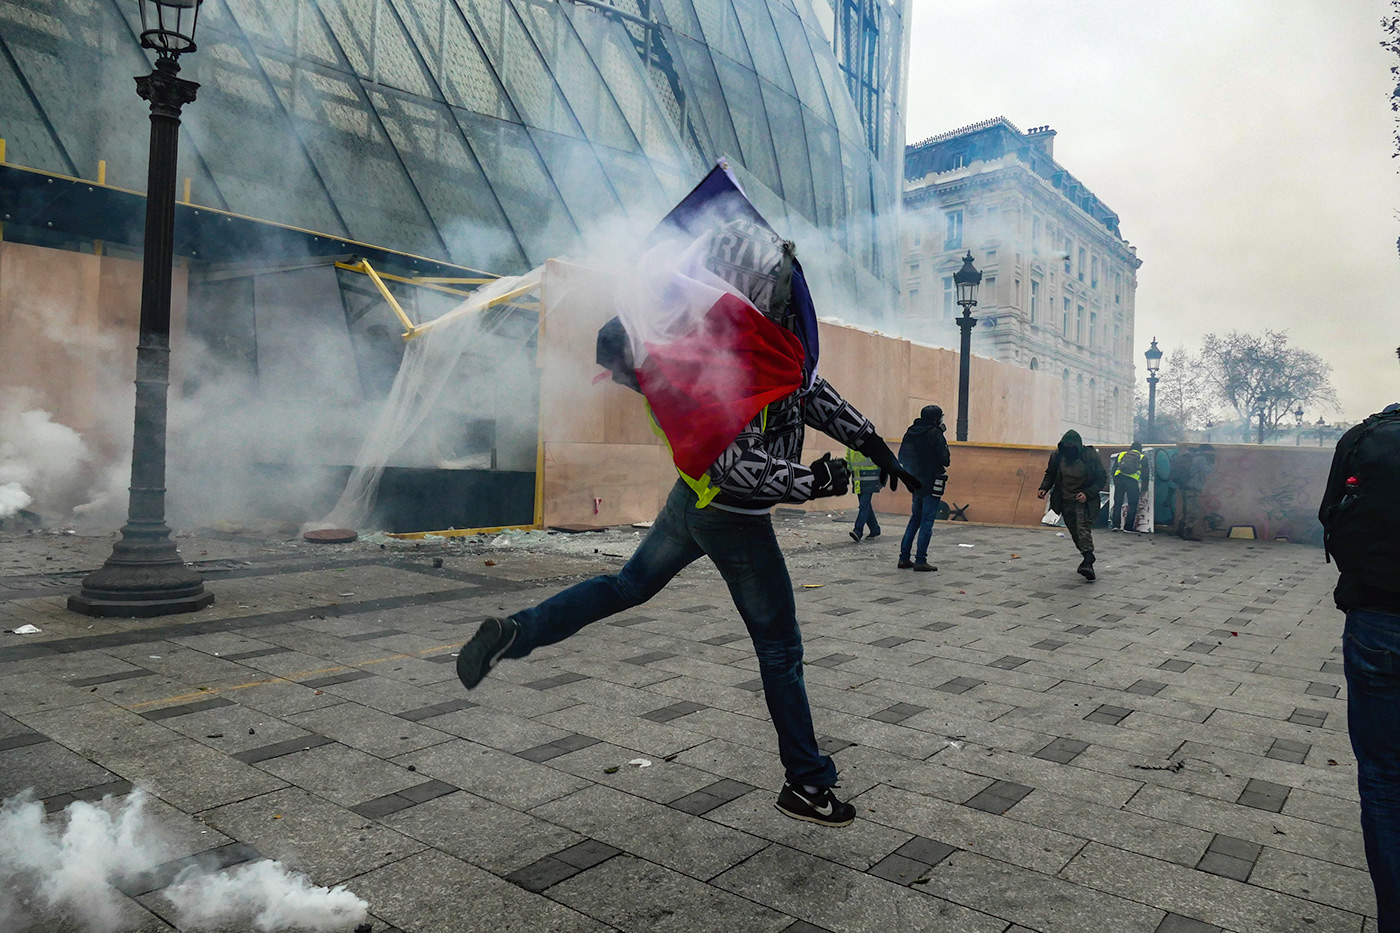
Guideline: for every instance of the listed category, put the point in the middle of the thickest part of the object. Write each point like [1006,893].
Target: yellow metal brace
[456,532]
[364,267]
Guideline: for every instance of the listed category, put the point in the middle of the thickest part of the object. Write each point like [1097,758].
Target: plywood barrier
[599,445]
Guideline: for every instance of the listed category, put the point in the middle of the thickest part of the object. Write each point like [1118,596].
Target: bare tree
[1185,398]
[1391,43]
[1254,372]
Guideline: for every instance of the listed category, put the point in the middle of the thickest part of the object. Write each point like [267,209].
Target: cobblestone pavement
[1162,750]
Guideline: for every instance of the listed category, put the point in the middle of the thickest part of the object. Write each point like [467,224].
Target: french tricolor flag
[706,359]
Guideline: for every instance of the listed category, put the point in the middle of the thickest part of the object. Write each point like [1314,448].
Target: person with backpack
[1074,477]
[924,453]
[1360,515]
[721,511]
[1127,487]
[1191,471]
[865,482]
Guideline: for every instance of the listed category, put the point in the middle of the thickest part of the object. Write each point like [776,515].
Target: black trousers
[1126,491]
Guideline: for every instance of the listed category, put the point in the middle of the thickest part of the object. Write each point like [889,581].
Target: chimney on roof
[1043,138]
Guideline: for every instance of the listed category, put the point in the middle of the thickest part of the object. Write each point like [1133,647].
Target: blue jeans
[746,553]
[1371,651]
[866,515]
[921,518]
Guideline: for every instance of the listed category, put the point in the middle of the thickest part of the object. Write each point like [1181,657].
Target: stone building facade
[1058,281]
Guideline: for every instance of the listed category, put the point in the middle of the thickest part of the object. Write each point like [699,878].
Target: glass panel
[642,195]
[680,16]
[588,96]
[768,57]
[352,23]
[463,74]
[275,179]
[314,39]
[522,186]
[266,22]
[794,164]
[700,69]
[722,32]
[396,63]
[855,162]
[837,94]
[579,177]
[825,148]
[518,64]
[356,161]
[800,62]
[610,46]
[745,103]
[446,174]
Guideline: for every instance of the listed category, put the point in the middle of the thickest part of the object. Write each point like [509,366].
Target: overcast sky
[1244,143]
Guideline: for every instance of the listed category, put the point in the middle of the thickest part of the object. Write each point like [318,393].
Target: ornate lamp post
[1261,413]
[1298,418]
[1154,363]
[145,575]
[966,279]
[1321,429]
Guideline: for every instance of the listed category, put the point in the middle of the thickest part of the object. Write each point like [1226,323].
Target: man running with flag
[724,348]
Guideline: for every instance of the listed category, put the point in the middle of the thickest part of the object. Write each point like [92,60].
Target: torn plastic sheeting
[25,630]
[640,762]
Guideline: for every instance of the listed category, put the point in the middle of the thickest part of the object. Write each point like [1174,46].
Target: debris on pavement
[640,763]
[23,630]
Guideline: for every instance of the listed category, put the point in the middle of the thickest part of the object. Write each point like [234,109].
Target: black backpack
[1361,527]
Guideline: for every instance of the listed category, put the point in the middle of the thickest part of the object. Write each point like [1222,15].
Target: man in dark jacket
[759,469]
[1360,517]
[924,453]
[1074,477]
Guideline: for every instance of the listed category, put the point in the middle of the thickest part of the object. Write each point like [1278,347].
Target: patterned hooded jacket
[761,467]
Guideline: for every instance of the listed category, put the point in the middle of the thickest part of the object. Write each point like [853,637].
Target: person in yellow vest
[865,482]
[1127,488]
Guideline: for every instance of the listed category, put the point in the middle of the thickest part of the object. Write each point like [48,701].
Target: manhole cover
[331,536]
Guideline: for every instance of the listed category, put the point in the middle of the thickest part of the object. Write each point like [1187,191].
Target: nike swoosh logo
[824,810]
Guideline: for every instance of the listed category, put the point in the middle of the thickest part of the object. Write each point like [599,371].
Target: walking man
[723,512]
[865,478]
[1074,477]
[1127,488]
[924,453]
[1360,517]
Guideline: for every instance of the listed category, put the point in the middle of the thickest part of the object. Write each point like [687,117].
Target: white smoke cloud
[68,871]
[263,896]
[40,459]
[12,499]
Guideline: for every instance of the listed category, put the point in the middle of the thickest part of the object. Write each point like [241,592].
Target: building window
[1069,246]
[953,237]
[1117,337]
[1035,236]
[1064,324]
[1079,325]
[1064,393]
[1035,301]
[1081,264]
[1113,412]
[1079,398]
[1118,288]
[1035,364]
[1093,402]
[1094,274]
[959,160]
[913,268]
[913,297]
[1093,326]
[989,292]
[947,296]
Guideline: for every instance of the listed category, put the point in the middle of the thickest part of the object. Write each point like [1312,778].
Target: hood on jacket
[1071,445]
[930,418]
[750,258]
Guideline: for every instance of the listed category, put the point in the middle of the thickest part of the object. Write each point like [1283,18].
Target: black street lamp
[145,575]
[1154,363]
[1321,429]
[966,279]
[1262,413]
[1298,417]
[1209,426]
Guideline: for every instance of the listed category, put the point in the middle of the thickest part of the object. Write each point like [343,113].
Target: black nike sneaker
[821,807]
[492,640]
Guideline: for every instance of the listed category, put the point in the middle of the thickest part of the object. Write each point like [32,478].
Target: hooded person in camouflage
[758,470]
[1074,477]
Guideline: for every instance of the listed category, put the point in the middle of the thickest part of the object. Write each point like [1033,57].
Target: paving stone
[1175,664]
[898,712]
[558,680]
[1062,750]
[1175,923]
[1049,644]
[1286,750]
[1309,717]
[832,660]
[1322,690]
[959,685]
[1109,715]
[999,797]
[674,711]
[1147,688]
[1264,795]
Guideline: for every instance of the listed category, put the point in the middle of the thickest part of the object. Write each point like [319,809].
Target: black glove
[829,477]
[877,450]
